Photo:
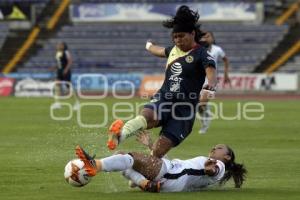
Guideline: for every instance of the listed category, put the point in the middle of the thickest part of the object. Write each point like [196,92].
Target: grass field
[34,150]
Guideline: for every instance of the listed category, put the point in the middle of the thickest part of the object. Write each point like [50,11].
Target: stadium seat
[106,47]
[4,32]
[292,66]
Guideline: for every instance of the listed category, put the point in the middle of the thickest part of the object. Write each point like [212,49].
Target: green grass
[34,150]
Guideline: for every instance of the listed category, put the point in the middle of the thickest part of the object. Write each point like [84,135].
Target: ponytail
[234,170]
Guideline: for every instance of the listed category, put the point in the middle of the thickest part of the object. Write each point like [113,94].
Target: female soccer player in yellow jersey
[174,106]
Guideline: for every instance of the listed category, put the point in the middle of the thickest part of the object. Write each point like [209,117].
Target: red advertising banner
[150,84]
[259,82]
[238,82]
[6,86]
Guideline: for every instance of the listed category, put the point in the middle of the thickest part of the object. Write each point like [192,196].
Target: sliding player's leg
[136,179]
[147,167]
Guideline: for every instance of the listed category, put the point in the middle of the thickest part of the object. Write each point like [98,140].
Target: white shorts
[171,185]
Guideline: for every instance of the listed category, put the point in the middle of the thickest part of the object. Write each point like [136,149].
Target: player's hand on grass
[210,167]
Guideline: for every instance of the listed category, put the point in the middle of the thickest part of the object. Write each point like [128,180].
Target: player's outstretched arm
[155,49]
[226,70]
[210,88]
[211,77]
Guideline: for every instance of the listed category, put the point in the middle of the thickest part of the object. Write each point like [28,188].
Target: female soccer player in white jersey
[154,174]
[216,52]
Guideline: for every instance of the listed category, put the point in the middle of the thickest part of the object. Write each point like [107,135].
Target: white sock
[134,176]
[202,115]
[207,115]
[117,162]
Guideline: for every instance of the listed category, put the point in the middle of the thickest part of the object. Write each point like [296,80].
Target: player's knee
[150,118]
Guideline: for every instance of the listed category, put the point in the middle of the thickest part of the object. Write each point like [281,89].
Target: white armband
[148,45]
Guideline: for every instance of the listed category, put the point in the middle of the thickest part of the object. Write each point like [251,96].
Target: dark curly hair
[185,20]
[234,170]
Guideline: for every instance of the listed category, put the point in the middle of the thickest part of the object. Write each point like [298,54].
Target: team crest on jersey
[189,59]
[153,100]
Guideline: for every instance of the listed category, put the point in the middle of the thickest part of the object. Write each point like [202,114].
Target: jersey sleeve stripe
[190,172]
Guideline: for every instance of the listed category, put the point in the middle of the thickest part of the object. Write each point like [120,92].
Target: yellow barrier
[293,50]
[54,19]
[22,51]
[291,10]
[33,35]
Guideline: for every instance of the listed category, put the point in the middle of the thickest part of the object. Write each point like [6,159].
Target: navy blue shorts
[63,77]
[175,118]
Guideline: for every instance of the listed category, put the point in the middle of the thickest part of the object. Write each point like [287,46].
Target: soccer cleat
[203,130]
[114,133]
[89,162]
[131,184]
[152,186]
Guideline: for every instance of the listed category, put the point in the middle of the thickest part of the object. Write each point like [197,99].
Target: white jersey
[188,175]
[216,52]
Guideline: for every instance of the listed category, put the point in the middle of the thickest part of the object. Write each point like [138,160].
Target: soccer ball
[75,173]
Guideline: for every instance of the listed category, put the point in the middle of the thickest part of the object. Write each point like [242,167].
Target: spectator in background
[63,73]
[1,15]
